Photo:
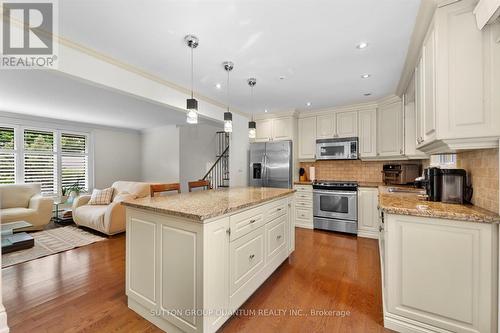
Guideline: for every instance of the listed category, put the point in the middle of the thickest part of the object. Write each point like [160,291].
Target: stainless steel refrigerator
[271,164]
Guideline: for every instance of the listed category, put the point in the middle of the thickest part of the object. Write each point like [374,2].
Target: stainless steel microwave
[337,149]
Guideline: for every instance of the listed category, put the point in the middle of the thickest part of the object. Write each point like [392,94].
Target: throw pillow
[101,197]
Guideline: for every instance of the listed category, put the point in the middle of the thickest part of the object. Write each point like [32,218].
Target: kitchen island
[192,259]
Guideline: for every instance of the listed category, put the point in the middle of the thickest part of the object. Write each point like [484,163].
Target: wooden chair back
[199,183]
[158,188]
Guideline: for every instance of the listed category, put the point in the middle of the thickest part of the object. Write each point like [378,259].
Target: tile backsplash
[357,170]
[482,171]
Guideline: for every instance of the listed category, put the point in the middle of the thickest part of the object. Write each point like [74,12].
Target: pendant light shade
[228,116]
[252,126]
[252,129]
[191,103]
[228,122]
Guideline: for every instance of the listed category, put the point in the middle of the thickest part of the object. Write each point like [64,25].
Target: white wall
[160,154]
[117,156]
[238,152]
[198,149]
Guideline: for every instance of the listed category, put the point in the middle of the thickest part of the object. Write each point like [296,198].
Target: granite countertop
[414,204]
[370,184]
[203,205]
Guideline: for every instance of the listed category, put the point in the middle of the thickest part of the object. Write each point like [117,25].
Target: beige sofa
[108,219]
[24,202]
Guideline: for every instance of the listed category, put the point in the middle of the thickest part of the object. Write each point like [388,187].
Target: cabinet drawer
[303,196]
[303,203]
[275,210]
[245,222]
[275,231]
[303,188]
[303,213]
[246,257]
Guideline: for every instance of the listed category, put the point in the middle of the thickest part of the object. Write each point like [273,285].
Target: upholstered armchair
[108,219]
[24,202]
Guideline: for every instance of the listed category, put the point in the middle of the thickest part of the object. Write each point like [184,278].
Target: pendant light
[252,126]
[191,103]
[228,116]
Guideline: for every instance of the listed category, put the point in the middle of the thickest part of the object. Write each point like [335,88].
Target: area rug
[49,242]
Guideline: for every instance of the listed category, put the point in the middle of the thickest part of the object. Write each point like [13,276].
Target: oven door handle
[336,193]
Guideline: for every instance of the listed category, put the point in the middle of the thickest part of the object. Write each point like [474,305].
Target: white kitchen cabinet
[460,80]
[419,103]
[283,128]
[346,124]
[429,103]
[274,129]
[390,130]
[410,142]
[304,206]
[368,212]
[367,125]
[264,130]
[307,138]
[325,126]
[439,275]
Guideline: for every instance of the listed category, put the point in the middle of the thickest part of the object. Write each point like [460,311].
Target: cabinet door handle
[252,256]
[380,228]
[253,221]
[228,231]
[279,209]
[278,237]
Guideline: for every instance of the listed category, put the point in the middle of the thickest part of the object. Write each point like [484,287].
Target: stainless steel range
[335,206]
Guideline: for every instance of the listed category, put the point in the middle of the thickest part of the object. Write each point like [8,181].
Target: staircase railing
[218,174]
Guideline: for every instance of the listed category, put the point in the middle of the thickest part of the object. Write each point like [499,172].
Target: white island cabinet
[193,259]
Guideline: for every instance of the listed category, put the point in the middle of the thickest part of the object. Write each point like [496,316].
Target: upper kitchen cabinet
[390,128]
[325,126]
[367,125]
[346,124]
[307,138]
[458,79]
[264,130]
[283,128]
[274,129]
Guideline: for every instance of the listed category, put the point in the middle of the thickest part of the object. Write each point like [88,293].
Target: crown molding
[281,114]
[422,22]
[343,108]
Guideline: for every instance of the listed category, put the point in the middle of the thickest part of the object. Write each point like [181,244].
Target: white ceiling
[310,43]
[48,94]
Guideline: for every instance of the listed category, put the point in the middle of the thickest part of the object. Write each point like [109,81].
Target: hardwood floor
[83,290]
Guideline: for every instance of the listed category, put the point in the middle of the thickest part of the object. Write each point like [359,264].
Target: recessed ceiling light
[265,110]
[218,86]
[308,103]
[367,94]
[365,76]
[362,45]
[282,77]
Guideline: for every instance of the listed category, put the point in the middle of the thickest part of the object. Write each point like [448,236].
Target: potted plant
[74,191]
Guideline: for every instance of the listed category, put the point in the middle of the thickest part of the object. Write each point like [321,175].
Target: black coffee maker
[433,183]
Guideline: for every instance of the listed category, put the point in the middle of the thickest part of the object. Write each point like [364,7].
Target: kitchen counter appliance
[447,185]
[337,149]
[335,206]
[271,164]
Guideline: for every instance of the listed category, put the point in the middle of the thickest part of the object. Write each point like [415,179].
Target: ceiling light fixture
[362,45]
[228,116]
[367,94]
[265,110]
[191,103]
[365,76]
[218,86]
[308,104]
[252,126]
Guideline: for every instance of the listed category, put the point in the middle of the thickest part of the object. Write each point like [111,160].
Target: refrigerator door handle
[264,171]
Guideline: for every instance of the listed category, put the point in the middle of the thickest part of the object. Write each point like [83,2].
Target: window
[444,160]
[7,156]
[53,158]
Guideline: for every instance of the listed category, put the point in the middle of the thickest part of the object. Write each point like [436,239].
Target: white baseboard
[368,234]
[305,226]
